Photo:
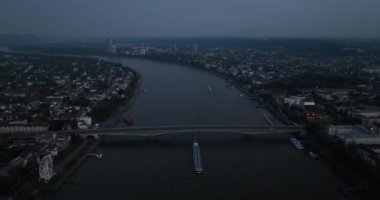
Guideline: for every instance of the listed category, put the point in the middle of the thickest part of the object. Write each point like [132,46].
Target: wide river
[263,167]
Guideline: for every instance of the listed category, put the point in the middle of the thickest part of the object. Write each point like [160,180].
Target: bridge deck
[162,130]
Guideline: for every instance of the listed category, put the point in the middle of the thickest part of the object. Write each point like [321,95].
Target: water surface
[262,167]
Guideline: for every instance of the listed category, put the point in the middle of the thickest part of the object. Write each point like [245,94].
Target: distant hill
[13,38]
[321,46]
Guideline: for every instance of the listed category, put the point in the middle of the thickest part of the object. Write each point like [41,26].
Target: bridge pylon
[95,136]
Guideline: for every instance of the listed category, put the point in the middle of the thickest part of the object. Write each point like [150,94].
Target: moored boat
[296,143]
[313,155]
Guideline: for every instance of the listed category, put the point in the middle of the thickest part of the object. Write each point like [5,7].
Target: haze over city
[190,99]
[196,18]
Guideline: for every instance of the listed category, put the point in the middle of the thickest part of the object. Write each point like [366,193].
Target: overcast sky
[189,18]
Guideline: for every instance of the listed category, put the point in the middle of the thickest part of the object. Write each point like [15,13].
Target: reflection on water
[262,167]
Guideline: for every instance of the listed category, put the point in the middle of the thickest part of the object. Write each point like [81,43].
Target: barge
[197,158]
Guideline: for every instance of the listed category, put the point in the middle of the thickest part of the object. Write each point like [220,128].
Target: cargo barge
[197,158]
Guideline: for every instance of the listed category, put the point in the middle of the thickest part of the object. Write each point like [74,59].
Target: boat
[241,95]
[313,155]
[260,106]
[129,120]
[73,181]
[145,91]
[197,158]
[209,88]
[98,156]
[296,143]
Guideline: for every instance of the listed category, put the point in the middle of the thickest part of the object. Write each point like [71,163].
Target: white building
[353,134]
[298,101]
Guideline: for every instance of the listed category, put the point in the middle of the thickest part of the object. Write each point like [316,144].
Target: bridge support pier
[95,136]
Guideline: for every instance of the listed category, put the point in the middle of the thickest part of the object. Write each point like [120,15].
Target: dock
[197,158]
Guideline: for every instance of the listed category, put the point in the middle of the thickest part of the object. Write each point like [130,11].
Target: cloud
[280,18]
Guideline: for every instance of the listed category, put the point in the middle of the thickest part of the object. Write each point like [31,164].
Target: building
[299,101]
[195,49]
[114,49]
[369,117]
[110,42]
[353,134]
[111,46]
[142,51]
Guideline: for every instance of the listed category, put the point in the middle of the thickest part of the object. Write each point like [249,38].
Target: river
[262,167]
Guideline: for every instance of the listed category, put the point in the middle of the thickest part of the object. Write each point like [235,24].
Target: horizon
[45,36]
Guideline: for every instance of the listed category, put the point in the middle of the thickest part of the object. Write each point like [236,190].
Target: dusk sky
[192,18]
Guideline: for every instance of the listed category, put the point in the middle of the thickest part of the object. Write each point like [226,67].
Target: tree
[377,100]
[314,127]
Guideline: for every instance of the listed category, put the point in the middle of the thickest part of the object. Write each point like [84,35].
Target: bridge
[199,129]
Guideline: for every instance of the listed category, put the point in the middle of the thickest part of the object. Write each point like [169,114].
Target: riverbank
[360,179]
[72,162]
[64,167]
[114,118]
[277,115]
[118,114]
[105,108]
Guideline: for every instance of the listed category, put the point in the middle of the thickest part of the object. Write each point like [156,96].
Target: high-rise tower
[195,49]
[111,46]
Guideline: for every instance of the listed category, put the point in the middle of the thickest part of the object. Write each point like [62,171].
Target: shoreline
[65,168]
[114,118]
[87,147]
[278,115]
[122,108]
[125,107]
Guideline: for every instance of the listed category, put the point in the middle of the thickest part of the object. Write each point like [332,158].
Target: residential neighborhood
[38,90]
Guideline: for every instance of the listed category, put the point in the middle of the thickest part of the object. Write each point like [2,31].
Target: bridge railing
[182,127]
